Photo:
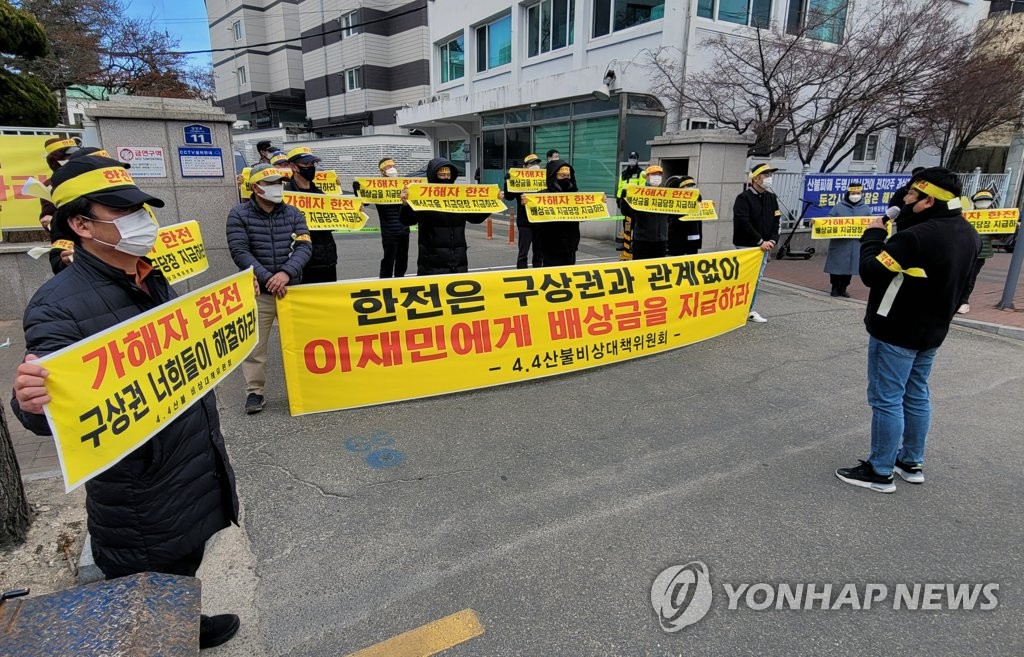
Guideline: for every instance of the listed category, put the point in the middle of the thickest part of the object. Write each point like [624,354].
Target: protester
[558,241]
[684,237]
[981,201]
[271,237]
[154,510]
[755,217]
[843,259]
[323,265]
[905,219]
[58,151]
[442,235]
[264,149]
[915,280]
[553,155]
[633,174]
[279,159]
[394,235]
[523,219]
[649,230]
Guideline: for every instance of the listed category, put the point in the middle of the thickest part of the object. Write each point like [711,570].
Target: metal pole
[1012,278]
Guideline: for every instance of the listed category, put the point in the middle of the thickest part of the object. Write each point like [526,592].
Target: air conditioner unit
[241,125]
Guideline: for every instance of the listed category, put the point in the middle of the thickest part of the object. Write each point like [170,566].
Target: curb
[88,571]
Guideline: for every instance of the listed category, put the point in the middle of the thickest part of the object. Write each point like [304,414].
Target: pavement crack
[291,475]
[415,480]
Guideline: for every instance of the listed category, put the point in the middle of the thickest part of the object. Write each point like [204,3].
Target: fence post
[972,187]
[1004,189]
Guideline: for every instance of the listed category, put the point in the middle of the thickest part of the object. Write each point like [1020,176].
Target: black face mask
[308,172]
[564,185]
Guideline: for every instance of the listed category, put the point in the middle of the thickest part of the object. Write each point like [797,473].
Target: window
[777,147]
[348,21]
[550,26]
[905,149]
[701,125]
[242,78]
[494,44]
[452,59]
[353,79]
[614,15]
[454,150]
[755,13]
[238,30]
[824,20]
[865,148]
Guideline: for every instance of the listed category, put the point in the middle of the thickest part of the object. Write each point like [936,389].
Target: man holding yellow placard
[558,241]
[323,264]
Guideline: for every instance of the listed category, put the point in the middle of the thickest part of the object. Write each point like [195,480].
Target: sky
[183,19]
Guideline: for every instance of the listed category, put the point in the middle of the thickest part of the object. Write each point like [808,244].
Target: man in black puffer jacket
[442,235]
[155,509]
[558,241]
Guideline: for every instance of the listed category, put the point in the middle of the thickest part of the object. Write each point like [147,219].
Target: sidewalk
[987,291]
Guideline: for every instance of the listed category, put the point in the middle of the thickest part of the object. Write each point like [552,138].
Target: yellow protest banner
[324,212]
[385,191]
[115,390]
[832,228]
[358,343]
[455,198]
[666,200]
[996,221]
[243,189]
[576,206]
[21,157]
[707,213]
[179,251]
[327,181]
[527,180]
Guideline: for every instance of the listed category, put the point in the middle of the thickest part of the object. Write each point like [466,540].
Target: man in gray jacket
[271,237]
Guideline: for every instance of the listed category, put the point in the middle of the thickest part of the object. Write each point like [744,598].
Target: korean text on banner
[369,342]
[999,221]
[21,157]
[385,191]
[455,198]
[115,390]
[707,213]
[666,200]
[831,228]
[824,191]
[179,251]
[575,206]
[527,180]
[327,181]
[324,212]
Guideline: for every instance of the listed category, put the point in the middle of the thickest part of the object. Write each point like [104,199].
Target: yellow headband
[761,168]
[301,150]
[934,191]
[260,176]
[983,195]
[654,169]
[60,145]
[280,158]
[855,188]
[387,164]
[531,157]
[563,170]
[90,183]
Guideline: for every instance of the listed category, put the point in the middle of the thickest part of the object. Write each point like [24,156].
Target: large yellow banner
[367,342]
[707,213]
[115,390]
[455,198]
[324,212]
[666,200]
[21,157]
[527,180]
[994,221]
[576,206]
[831,228]
[179,251]
[385,191]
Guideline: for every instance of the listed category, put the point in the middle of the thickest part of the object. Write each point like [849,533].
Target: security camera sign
[145,161]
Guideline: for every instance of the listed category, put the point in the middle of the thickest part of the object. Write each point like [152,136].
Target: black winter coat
[264,241]
[558,241]
[165,499]
[755,218]
[323,263]
[442,235]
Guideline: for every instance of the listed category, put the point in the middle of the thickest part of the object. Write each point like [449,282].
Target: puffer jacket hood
[552,170]
[436,164]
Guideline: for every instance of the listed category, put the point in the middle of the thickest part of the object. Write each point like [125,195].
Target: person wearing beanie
[843,259]
[981,201]
[394,235]
[558,241]
[915,280]
[155,509]
[323,264]
[648,230]
[755,222]
[523,225]
[684,237]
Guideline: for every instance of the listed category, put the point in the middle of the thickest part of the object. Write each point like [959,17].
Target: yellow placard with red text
[179,251]
[665,200]
[383,190]
[327,181]
[707,213]
[113,391]
[359,343]
[324,212]
[995,221]
[21,157]
[573,206]
[455,198]
[527,180]
[832,228]
[243,189]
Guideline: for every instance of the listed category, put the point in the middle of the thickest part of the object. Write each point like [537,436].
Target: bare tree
[15,516]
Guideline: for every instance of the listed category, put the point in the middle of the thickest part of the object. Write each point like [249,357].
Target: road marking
[428,639]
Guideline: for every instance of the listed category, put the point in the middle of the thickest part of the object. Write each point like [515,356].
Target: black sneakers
[254,403]
[865,477]
[215,630]
[911,473]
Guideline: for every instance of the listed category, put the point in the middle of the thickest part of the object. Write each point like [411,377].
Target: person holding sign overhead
[531,162]
[648,230]
[755,222]
[155,509]
[843,259]
[323,264]
[558,241]
[442,235]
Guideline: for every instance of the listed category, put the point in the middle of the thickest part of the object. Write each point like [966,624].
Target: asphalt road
[550,507]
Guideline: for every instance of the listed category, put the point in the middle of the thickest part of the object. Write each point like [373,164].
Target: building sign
[197,134]
[200,162]
[825,191]
[145,161]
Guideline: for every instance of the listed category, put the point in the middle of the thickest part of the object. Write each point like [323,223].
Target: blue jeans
[760,275]
[901,409]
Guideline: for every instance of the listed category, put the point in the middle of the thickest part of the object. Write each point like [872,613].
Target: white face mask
[533,167]
[855,198]
[983,205]
[766,182]
[138,233]
[391,172]
[273,192]
[654,181]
